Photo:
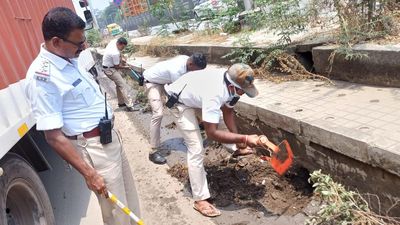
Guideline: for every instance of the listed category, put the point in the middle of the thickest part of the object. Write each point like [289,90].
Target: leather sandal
[209,211]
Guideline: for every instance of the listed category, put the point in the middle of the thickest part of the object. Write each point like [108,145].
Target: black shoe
[157,158]
[121,105]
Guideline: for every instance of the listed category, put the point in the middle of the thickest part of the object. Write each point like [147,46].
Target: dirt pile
[251,182]
[180,172]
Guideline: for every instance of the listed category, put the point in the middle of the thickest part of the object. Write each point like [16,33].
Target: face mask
[233,99]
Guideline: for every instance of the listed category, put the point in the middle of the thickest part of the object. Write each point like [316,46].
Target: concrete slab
[379,67]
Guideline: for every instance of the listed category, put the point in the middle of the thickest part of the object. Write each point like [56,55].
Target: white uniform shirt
[111,55]
[62,95]
[167,71]
[206,91]
[86,60]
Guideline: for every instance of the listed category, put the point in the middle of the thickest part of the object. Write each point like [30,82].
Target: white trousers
[186,121]
[111,163]
[156,97]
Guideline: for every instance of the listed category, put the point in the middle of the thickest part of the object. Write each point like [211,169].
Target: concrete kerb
[381,65]
[214,54]
[340,139]
[387,158]
[360,146]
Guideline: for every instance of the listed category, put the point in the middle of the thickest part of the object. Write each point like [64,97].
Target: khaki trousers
[186,121]
[111,163]
[121,86]
[156,97]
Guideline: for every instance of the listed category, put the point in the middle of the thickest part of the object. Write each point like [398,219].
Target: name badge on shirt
[43,74]
[42,77]
[78,81]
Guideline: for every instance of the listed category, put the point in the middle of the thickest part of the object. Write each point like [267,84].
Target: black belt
[106,67]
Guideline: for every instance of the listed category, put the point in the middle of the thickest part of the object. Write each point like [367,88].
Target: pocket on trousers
[108,72]
[187,119]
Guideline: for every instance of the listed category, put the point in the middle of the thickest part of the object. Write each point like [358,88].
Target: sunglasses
[78,45]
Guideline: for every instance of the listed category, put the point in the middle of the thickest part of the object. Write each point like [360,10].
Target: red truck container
[23,197]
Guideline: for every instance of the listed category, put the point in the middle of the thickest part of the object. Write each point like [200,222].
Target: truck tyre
[23,198]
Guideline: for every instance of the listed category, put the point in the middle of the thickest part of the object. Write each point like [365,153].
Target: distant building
[134,7]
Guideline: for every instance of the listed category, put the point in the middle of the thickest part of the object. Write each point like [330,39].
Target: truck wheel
[23,198]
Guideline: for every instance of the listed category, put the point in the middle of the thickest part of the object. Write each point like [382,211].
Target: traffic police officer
[156,77]
[113,63]
[207,97]
[68,105]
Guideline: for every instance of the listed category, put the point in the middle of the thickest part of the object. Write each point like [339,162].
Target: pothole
[329,118]
[315,90]
[278,103]
[299,110]
[363,128]
[374,101]
[341,95]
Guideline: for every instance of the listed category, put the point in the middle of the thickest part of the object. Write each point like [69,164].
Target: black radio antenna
[179,94]
[105,104]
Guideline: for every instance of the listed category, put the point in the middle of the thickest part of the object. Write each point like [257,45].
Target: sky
[100,4]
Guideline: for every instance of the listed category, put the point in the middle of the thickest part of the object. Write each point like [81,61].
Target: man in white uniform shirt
[156,77]
[112,65]
[68,105]
[207,95]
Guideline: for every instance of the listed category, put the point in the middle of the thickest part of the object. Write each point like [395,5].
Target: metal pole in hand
[125,209]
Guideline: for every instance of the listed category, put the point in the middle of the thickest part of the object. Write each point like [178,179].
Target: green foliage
[141,96]
[93,37]
[144,29]
[111,14]
[225,18]
[247,53]
[340,202]
[342,206]
[129,49]
[285,18]
[349,53]
[359,21]
[163,10]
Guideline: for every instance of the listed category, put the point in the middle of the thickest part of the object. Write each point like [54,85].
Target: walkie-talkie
[141,78]
[173,98]
[232,102]
[105,126]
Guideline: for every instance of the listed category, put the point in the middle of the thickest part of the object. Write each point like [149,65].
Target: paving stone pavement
[370,110]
